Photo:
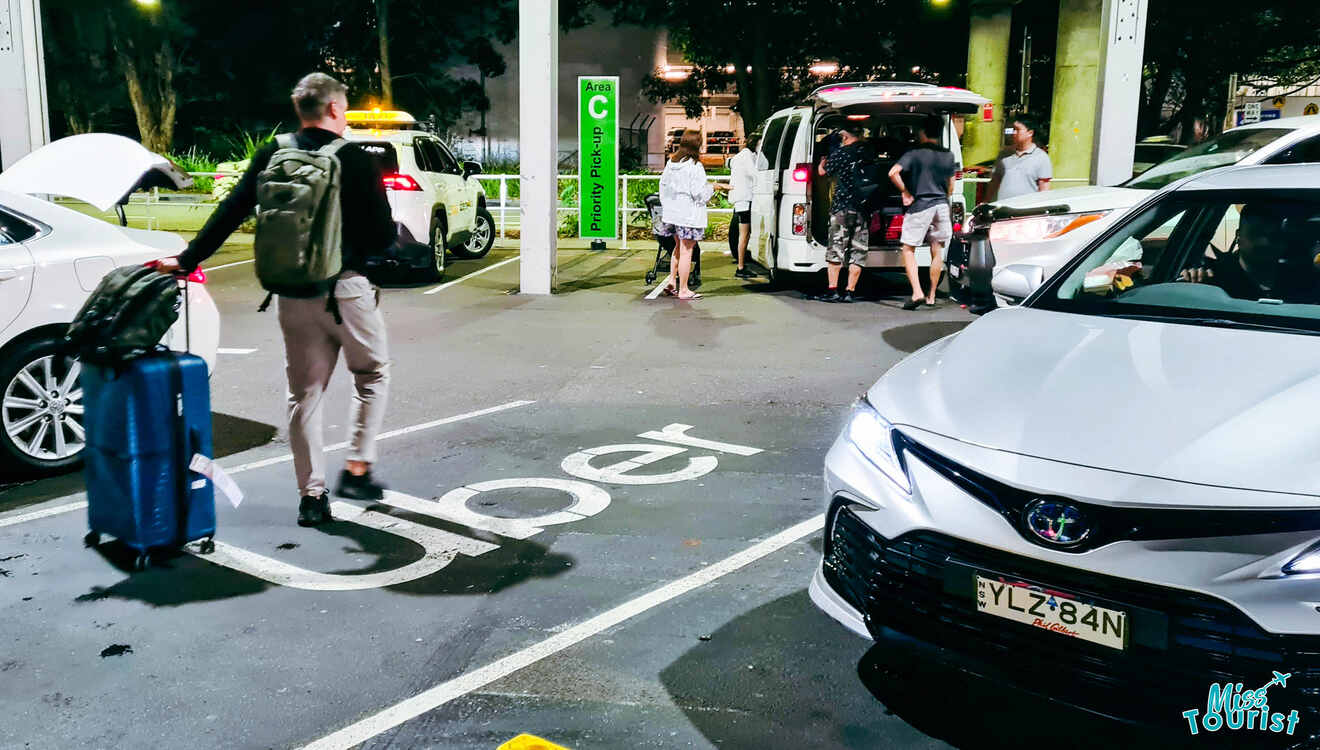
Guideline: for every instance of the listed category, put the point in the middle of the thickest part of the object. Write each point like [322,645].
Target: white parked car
[790,203]
[436,203]
[1055,224]
[51,258]
[1108,495]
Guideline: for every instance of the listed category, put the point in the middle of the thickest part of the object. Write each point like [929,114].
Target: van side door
[765,187]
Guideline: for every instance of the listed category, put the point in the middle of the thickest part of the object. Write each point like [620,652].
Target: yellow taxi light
[530,742]
[378,116]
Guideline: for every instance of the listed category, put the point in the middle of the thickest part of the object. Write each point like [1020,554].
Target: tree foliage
[1193,48]
[762,49]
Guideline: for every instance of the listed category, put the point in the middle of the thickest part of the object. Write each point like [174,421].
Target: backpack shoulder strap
[333,146]
[286,140]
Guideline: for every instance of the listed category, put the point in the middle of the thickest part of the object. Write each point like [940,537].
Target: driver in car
[1276,256]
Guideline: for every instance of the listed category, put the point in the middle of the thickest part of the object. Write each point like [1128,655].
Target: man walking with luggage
[849,230]
[924,177]
[319,318]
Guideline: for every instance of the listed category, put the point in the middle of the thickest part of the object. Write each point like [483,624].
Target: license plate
[1052,611]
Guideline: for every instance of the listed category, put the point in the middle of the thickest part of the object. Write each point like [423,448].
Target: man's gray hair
[313,93]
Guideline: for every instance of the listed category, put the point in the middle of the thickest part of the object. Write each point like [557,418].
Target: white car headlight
[1307,562]
[1037,228]
[873,435]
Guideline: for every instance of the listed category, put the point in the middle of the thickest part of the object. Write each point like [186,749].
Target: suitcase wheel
[207,546]
[650,277]
[92,539]
[142,562]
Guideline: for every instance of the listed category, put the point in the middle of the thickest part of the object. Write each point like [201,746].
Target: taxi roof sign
[530,742]
[379,118]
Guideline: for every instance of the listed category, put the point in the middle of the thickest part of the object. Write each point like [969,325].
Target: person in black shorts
[742,174]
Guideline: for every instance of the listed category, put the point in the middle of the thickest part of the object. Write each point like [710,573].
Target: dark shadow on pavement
[913,336]
[232,435]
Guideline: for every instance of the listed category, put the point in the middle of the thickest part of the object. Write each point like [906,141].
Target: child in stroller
[665,247]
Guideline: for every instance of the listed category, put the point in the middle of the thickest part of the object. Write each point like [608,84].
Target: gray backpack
[298,248]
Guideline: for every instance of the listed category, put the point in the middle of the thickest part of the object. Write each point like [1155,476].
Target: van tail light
[894,232]
[958,215]
[802,173]
[401,182]
[799,219]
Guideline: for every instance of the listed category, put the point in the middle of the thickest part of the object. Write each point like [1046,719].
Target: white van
[790,203]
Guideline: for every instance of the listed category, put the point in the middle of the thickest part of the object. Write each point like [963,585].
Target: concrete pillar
[538,141]
[1123,28]
[24,122]
[987,75]
[1076,84]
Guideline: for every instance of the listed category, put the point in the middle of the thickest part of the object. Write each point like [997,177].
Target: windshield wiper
[1214,322]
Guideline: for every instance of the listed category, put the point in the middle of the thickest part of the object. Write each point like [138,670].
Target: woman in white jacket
[684,192]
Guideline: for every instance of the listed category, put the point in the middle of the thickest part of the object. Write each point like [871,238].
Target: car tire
[439,238]
[40,433]
[482,239]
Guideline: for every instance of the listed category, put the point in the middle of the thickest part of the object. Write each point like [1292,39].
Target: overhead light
[729,68]
[823,68]
[916,68]
[672,73]
[858,117]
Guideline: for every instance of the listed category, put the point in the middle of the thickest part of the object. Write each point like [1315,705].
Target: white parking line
[80,504]
[230,265]
[658,288]
[460,686]
[448,284]
[223,350]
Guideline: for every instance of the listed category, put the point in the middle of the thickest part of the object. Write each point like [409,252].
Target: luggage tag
[216,473]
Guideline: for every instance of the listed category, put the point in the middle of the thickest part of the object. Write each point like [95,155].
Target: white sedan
[51,258]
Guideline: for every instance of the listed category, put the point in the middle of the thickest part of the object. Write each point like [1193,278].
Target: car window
[443,158]
[1225,149]
[774,132]
[426,158]
[1306,152]
[786,150]
[384,154]
[1213,258]
[13,229]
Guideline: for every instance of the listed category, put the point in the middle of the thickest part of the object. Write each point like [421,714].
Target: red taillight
[894,232]
[958,175]
[401,182]
[957,228]
[802,173]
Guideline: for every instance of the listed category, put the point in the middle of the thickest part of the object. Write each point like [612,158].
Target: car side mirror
[1018,281]
[470,168]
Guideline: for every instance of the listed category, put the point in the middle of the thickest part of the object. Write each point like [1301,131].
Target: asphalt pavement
[605,511]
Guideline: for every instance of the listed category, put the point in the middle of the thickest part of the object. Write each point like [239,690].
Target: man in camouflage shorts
[849,229]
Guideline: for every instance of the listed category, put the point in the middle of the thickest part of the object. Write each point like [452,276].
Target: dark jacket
[369,227]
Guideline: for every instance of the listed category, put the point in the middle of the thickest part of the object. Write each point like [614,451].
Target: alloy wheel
[42,409]
[480,235]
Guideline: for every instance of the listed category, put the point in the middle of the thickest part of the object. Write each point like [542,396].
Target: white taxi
[437,204]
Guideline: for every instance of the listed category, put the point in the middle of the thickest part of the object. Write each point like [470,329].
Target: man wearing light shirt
[1026,170]
[742,172]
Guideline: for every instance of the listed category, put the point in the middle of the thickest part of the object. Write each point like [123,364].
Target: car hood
[1078,199]
[96,168]
[1209,406]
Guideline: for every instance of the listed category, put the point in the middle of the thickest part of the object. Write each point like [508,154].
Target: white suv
[437,204]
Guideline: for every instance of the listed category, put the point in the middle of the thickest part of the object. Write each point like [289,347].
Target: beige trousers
[312,342]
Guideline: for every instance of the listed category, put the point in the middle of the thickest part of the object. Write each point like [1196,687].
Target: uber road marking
[80,504]
[460,280]
[460,686]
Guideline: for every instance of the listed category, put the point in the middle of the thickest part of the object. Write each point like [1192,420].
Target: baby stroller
[666,245]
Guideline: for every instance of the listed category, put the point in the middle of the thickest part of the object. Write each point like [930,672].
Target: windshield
[1220,151]
[1220,258]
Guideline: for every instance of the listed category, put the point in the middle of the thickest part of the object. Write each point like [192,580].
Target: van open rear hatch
[886,97]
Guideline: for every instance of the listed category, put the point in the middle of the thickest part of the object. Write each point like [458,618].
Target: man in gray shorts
[849,230]
[924,176]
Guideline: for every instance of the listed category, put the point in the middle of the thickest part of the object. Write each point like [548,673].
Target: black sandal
[913,304]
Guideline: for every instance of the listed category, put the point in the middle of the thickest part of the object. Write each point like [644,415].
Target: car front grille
[914,585]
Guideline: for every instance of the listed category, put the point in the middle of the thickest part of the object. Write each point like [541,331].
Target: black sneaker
[314,510]
[743,273]
[829,295]
[356,487]
[847,298]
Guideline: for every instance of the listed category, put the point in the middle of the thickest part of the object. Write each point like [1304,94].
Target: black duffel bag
[126,316]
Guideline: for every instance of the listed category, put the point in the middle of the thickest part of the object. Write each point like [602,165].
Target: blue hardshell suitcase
[144,421]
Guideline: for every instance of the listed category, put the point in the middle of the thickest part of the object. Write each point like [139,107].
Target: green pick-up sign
[598,156]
